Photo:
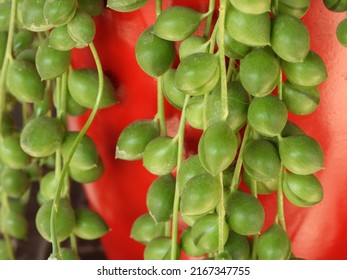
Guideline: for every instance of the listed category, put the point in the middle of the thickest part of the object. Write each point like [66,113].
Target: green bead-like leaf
[59,12]
[159,249]
[160,155]
[300,100]
[89,225]
[237,246]
[197,74]
[15,182]
[172,94]
[301,154]
[194,112]
[259,72]
[205,233]
[274,244]
[191,45]
[42,136]
[336,5]
[290,39]
[125,5]
[23,81]
[160,198]
[177,23]
[83,86]
[200,195]
[154,54]
[90,175]
[261,160]
[251,30]
[217,147]
[65,221]
[145,229]
[82,28]
[245,213]
[134,138]
[252,6]
[296,8]
[92,7]
[302,190]
[187,244]
[341,33]
[15,224]
[311,72]
[60,39]
[263,187]
[51,63]
[233,48]
[30,13]
[267,115]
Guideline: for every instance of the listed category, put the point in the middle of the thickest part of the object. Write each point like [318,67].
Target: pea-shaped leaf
[154,54]
[31,15]
[159,249]
[200,195]
[336,5]
[301,154]
[205,233]
[134,138]
[65,221]
[42,136]
[51,63]
[341,33]
[189,168]
[22,40]
[187,244]
[86,176]
[261,160]
[145,229]
[89,225]
[191,45]
[23,81]
[290,38]
[171,93]
[48,185]
[233,48]
[27,55]
[300,100]
[83,86]
[274,244]
[160,198]
[252,6]
[302,190]
[60,39]
[237,246]
[264,187]
[11,152]
[217,147]
[59,12]
[296,8]
[72,107]
[238,102]
[177,23]
[86,154]
[268,115]
[68,254]
[5,14]
[195,111]
[15,224]
[310,72]
[245,213]
[15,182]
[197,73]
[92,7]
[251,30]
[7,126]
[82,28]
[125,5]
[259,72]
[160,155]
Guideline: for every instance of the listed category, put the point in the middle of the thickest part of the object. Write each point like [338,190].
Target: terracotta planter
[119,196]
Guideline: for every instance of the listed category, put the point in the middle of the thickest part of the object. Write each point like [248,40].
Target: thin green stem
[73,243]
[158,7]
[236,176]
[231,70]
[280,81]
[256,236]
[213,37]
[221,216]
[7,59]
[55,244]
[6,236]
[161,109]
[222,67]
[280,206]
[180,133]
[211,8]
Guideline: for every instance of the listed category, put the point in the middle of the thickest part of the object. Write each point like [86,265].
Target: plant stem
[180,133]
[221,217]
[55,245]
[256,236]
[222,67]
[236,176]
[280,207]
[7,59]
[161,109]
[4,210]
[158,7]
[211,8]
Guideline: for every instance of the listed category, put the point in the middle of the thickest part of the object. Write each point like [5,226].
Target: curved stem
[174,229]
[280,206]
[237,171]
[256,236]
[221,217]
[56,252]
[161,110]
[211,8]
